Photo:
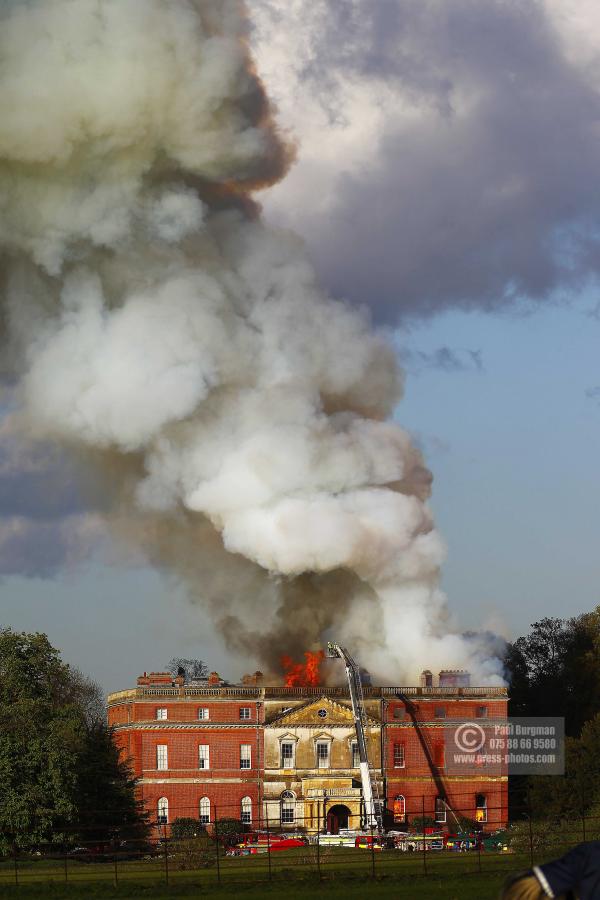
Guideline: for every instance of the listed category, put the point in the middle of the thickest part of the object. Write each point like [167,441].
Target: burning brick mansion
[286,756]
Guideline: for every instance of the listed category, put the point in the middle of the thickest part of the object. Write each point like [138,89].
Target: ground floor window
[480,808]
[163,811]
[440,809]
[246,811]
[399,808]
[204,811]
[288,808]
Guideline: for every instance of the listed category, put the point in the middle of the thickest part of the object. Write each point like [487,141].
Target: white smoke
[239,416]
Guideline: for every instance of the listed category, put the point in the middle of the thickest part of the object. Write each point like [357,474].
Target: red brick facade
[220,744]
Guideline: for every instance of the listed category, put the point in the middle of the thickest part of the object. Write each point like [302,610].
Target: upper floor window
[161,712]
[481,712]
[399,760]
[162,811]
[204,811]
[399,712]
[323,754]
[245,756]
[203,756]
[440,712]
[246,810]
[203,713]
[287,754]
[162,760]
[244,712]
[355,755]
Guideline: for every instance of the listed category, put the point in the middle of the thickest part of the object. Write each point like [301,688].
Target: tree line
[554,670]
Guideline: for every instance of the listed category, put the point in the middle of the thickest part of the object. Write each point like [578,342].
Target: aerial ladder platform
[372,802]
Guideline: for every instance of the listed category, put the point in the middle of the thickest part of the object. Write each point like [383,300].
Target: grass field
[344,873]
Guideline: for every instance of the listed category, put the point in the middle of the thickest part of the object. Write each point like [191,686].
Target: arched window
[204,811]
[288,808]
[246,811]
[163,811]
[399,808]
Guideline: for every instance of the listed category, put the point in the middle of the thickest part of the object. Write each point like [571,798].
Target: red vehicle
[367,841]
[263,846]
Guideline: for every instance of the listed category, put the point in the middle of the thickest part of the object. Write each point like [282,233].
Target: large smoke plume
[237,417]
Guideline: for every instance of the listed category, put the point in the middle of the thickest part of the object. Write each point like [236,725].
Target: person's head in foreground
[575,876]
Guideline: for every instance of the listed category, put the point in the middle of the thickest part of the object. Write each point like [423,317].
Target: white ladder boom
[369,783]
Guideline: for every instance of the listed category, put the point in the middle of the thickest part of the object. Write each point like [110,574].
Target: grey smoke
[236,416]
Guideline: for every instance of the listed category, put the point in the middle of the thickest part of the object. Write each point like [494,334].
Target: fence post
[217,845]
[530,826]
[115,851]
[65,861]
[319,838]
[372,851]
[166,846]
[423,833]
[583,828]
[15,863]
[268,839]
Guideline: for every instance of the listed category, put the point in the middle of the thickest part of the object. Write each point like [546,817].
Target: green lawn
[345,873]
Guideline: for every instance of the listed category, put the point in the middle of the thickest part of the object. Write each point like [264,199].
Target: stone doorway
[337,817]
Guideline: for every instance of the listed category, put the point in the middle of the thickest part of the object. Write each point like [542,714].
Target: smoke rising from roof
[237,416]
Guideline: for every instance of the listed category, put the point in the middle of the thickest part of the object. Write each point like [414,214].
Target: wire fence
[330,842]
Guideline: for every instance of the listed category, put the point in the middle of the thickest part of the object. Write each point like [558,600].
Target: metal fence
[261,851]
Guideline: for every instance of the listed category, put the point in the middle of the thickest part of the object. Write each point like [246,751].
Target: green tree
[42,733]
[555,670]
[106,802]
[60,773]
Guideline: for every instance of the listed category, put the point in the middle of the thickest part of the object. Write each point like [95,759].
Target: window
[439,755]
[440,810]
[323,754]
[481,712]
[161,713]
[355,755]
[480,808]
[288,808]
[399,756]
[399,808]
[162,760]
[204,811]
[399,712]
[287,754]
[440,712]
[245,756]
[204,756]
[246,809]
[244,712]
[203,714]
[162,812]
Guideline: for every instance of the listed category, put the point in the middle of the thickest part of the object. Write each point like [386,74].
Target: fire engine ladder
[373,808]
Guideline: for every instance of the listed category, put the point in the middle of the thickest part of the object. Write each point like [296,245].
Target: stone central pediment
[323,712]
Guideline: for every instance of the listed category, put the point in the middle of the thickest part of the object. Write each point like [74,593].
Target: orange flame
[303,674]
